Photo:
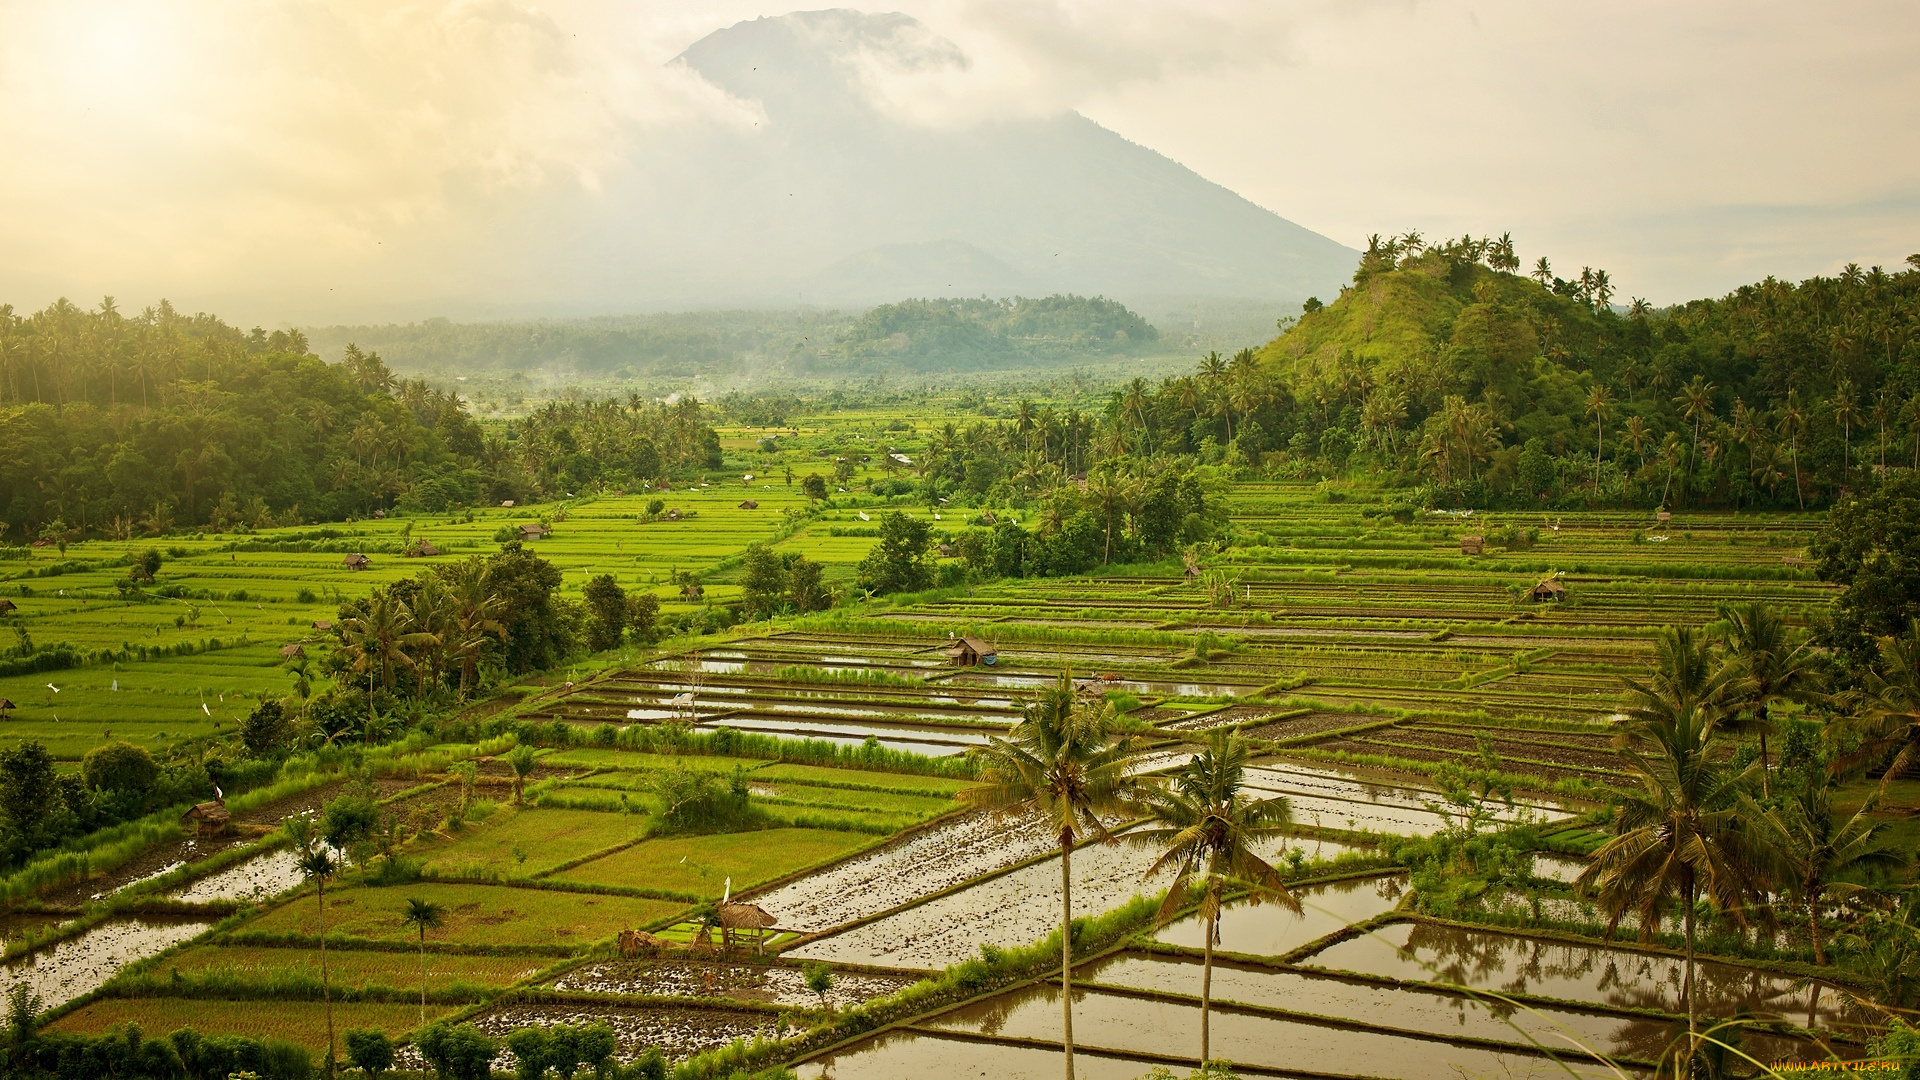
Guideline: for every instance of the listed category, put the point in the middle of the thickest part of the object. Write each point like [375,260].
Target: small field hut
[356,561]
[292,652]
[209,818]
[750,504]
[8,607]
[1548,590]
[533,532]
[5,708]
[745,919]
[423,549]
[1663,517]
[1472,545]
[971,651]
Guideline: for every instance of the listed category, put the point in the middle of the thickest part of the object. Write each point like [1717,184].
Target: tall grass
[103,850]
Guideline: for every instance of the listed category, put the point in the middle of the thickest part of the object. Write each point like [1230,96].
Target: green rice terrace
[767,845]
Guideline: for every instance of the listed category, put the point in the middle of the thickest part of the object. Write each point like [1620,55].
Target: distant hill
[922,336]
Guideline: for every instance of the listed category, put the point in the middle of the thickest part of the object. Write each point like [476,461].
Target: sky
[280,160]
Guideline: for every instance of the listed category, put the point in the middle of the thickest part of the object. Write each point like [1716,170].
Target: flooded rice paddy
[1445,1015]
[265,875]
[952,853]
[1128,1024]
[1616,977]
[78,965]
[1270,929]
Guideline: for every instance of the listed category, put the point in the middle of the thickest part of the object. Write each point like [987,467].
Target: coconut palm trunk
[1686,986]
[1206,974]
[1066,947]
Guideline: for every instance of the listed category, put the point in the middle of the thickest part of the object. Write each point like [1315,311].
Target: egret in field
[53,688]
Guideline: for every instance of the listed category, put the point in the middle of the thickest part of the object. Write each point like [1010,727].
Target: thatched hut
[1548,590]
[534,531]
[1473,545]
[293,651]
[323,625]
[971,651]
[6,707]
[422,549]
[1664,517]
[8,607]
[745,919]
[356,561]
[209,818]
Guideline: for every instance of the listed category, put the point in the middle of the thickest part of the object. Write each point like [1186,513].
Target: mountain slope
[1063,203]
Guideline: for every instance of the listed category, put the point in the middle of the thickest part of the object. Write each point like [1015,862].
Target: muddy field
[764,983]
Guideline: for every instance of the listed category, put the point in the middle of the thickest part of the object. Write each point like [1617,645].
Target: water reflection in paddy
[1408,1010]
[913,1054]
[1129,1024]
[262,876]
[1269,929]
[1422,952]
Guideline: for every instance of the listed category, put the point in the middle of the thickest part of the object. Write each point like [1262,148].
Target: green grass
[701,865]
[352,967]
[526,841]
[303,1023]
[476,914]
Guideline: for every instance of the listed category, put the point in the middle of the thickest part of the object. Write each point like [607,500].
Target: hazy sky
[268,159]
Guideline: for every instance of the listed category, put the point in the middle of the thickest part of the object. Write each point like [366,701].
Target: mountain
[833,200]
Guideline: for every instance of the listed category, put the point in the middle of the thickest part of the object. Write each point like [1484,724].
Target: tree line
[127,425]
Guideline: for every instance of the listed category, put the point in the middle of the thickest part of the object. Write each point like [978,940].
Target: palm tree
[1060,761]
[1696,404]
[1681,834]
[378,639]
[1890,722]
[1599,403]
[1206,829]
[1847,412]
[1813,853]
[318,865]
[1793,424]
[424,915]
[521,759]
[1637,435]
[1768,666]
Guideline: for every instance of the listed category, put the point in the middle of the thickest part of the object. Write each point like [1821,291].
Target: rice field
[1363,654]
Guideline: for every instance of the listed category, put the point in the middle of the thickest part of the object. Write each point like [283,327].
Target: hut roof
[322,624]
[746,917]
[5,704]
[508,503]
[750,505]
[1550,587]
[535,529]
[973,645]
[7,605]
[207,811]
[426,548]
[292,650]
[355,559]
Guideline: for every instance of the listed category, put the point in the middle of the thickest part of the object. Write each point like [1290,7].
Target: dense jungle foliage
[116,425]
[1442,367]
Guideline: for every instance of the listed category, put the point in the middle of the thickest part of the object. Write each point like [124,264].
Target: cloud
[204,141]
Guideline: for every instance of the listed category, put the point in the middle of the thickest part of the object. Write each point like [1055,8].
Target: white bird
[864,517]
[116,685]
[53,688]
[204,709]
[728,894]
[217,793]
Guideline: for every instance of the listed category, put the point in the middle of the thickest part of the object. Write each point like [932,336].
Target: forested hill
[909,337]
[123,426]
[1443,364]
